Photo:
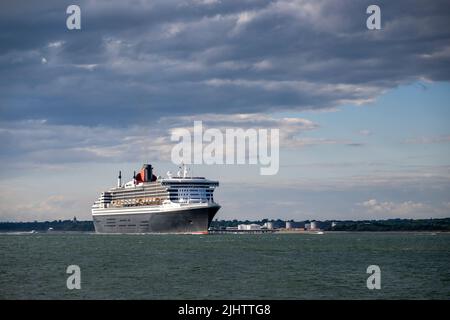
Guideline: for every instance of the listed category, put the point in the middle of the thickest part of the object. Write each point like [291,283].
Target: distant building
[333,224]
[252,226]
[313,225]
[268,225]
[288,225]
[307,226]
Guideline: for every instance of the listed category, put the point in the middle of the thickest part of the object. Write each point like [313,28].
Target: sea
[232,266]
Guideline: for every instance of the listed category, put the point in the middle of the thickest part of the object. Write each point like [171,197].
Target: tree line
[442,224]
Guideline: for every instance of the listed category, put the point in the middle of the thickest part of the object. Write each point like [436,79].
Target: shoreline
[274,232]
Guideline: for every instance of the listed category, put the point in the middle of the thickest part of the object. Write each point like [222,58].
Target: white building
[252,226]
[268,225]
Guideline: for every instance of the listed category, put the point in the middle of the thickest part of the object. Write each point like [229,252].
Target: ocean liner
[151,204]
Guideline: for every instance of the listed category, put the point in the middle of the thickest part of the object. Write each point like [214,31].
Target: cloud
[37,142]
[55,44]
[291,129]
[133,64]
[365,133]
[410,209]
[407,208]
[50,208]
[428,140]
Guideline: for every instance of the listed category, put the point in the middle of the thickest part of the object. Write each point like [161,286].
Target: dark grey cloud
[134,62]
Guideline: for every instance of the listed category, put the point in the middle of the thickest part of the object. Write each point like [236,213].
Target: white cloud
[35,142]
[397,209]
[88,67]
[242,20]
[50,208]
[55,44]
[263,65]
[365,132]
[291,129]
[429,140]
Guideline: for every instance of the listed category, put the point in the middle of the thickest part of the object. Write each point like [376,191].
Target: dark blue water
[270,266]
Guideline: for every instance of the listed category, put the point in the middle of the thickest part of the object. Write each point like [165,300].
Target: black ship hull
[195,220]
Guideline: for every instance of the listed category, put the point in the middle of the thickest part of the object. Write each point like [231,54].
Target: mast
[119,180]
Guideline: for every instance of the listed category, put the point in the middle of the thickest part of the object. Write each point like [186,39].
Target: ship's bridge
[190,189]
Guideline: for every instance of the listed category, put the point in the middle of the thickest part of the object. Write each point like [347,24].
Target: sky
[363,114]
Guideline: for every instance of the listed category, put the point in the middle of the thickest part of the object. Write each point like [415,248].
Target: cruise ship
[151,204]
